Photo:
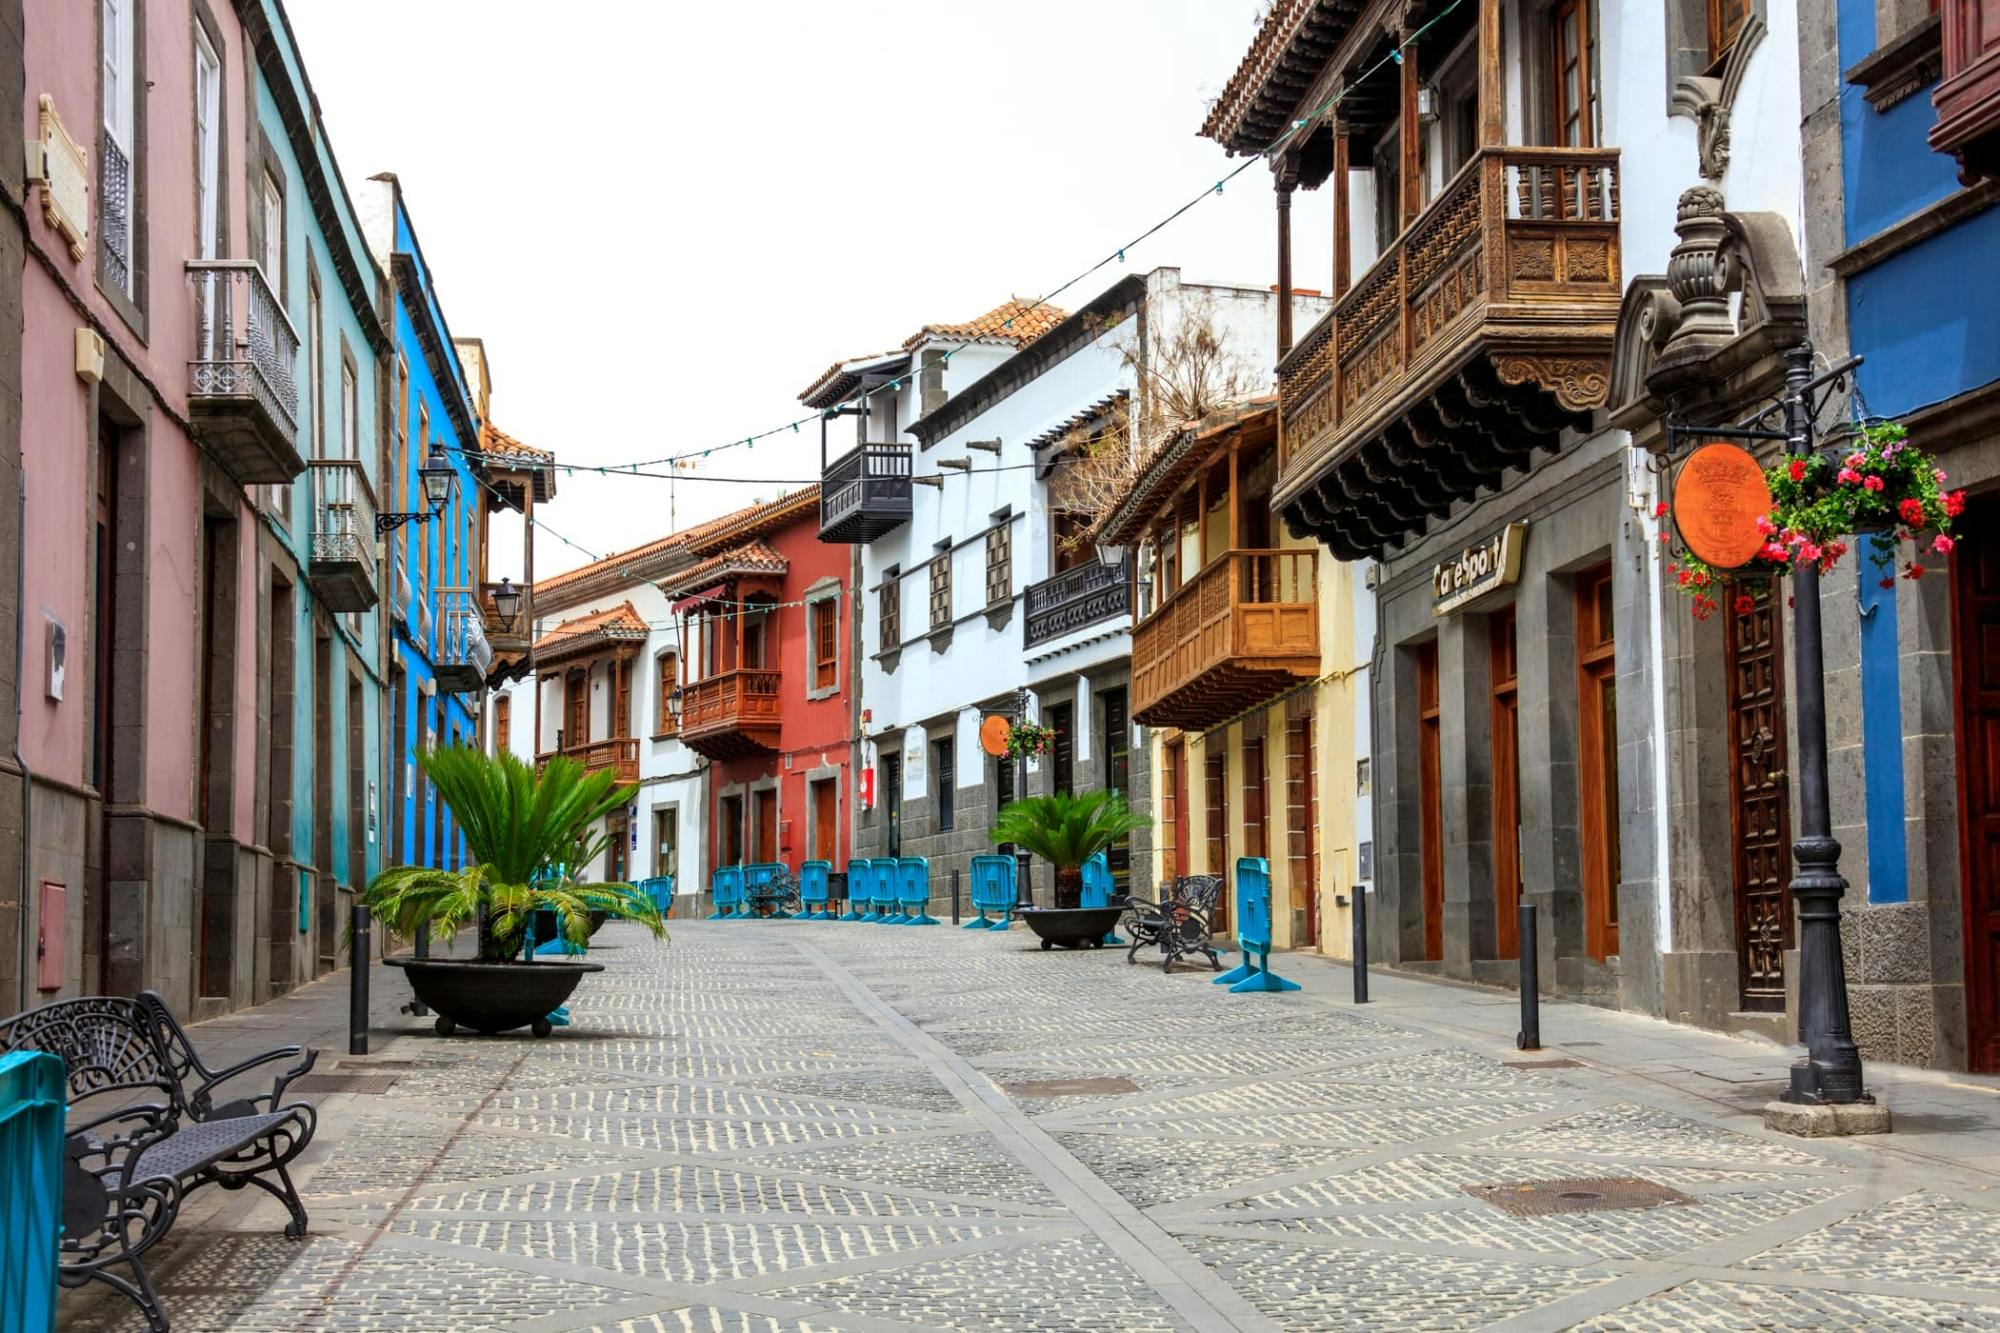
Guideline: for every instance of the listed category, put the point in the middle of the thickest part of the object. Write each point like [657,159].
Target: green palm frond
[1067,830]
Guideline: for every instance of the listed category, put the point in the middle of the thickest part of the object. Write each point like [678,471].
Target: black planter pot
[492,997]
[1071,927]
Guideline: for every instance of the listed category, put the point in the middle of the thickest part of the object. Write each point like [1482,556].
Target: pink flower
[1848,476]
[1954,501]
[1766,526]
[1857,458]
[1872,483]
[1942,544]
[1775,552]
[1809,552]
[1938,473]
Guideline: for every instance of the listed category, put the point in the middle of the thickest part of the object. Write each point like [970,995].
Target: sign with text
[1719,494]
[1478,570]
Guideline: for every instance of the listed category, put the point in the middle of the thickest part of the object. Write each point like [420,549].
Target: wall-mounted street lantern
[436,475]
[506,605]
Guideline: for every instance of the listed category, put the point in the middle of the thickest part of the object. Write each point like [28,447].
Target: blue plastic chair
[725,885]
[860,890]
[992,891]
[1098,888]
[813,891]
[1253,931]
[913,891]
[888,903]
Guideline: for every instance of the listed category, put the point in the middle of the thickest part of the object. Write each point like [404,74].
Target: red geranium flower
[1912,511]
[1745,603]
[1915,571]
[1797,467]
[1889,582]
[1954,503]
[1660,509]
[1872,483]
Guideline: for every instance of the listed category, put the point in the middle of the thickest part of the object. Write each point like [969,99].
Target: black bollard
[1530,1036]
[954,897]
[1360,901]
[357,982]
[1025,894]
[423,950]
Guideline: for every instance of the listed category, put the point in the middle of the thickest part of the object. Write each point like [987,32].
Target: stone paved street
[786,1126]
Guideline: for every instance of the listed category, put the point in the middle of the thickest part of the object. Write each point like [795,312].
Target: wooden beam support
[1409,140]
[1343,235]
[1286,182]
[1492,110]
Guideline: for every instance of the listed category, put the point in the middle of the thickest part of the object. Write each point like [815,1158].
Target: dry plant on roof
[1191,371]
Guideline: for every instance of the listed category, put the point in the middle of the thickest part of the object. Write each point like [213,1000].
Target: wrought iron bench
[1178,925]
[130,1162]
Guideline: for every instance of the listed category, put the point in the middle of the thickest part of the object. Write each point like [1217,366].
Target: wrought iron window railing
[245,347]
[343,529]
[114,212]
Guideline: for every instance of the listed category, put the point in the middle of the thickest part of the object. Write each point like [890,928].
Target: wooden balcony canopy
[619,631]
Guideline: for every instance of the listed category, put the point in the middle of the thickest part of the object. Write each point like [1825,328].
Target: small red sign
[1719,495]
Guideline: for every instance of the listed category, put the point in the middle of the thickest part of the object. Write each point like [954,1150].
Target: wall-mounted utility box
[51,935]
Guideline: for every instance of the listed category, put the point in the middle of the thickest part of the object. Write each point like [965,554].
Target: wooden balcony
[342,563]
[1085,595]
[619,753]
[1482,333]
[1968,97]
[1242,631]
[731,715]
[865,493]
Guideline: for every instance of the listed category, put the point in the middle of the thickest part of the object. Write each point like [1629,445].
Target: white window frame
[119,114]
[350,412]
[208,143]
[271,215]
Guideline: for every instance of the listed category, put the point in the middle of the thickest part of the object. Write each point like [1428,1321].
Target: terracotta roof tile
[1246,91]
[493,440]
[701,540]
[1126,521]
[755,557]
[1016,321]
[619,622]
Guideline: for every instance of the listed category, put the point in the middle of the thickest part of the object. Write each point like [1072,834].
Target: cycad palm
[1066,831]
[524,832]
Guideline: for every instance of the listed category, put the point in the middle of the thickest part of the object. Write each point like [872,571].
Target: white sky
[666,219]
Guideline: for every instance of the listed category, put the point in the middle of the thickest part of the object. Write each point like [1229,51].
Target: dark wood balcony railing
[1090,594]
[865,493]
[1241,631]
[1477,336]
[733,714]
[619,753]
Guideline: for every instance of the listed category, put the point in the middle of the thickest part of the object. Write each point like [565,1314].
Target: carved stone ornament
[1698,269]
[64,177]
[1709,100]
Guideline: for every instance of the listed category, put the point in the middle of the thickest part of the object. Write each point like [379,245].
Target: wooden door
[826,820]
[617,848]
[1976,653]
[576,709]
[621,719]
[767,824]
[1174,789]
[1215,783]
[729,831]
[1116,744]
[1760,834]
[1505,674]
[1062,756]
[1597,760]
[1302,819]
[1430,801]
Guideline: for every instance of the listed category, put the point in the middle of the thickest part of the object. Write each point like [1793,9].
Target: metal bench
[1177,925]
[131,1162]
[992,891]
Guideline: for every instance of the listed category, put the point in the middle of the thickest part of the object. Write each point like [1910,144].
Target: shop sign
[1477,570]
[1719,494]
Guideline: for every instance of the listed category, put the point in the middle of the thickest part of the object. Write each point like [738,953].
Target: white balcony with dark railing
[341,565]
[1088,596]
[243,394]
[463,654]
[865,493]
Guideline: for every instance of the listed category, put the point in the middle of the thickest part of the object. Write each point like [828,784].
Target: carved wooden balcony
[342,561]
[731,715]
[243,401]
[865,493]
[1239,633]
[618,753]
[1089,594]
[1474,340]
[1968,97]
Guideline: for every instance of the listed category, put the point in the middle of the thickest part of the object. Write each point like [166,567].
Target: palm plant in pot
[1066,831]
[525,834]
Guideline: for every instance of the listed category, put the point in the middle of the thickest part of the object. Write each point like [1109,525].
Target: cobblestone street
[820,1127]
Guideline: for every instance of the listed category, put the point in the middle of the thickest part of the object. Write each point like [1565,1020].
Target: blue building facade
[324,651]
[1903,273]
[439,655]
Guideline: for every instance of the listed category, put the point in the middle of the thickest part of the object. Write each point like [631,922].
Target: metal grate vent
[371,1083]
[1586,1194]
[1071,1087]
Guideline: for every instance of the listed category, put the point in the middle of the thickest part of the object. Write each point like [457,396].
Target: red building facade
[769,683]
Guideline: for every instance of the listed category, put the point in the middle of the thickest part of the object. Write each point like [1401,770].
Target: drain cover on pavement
[365,1063]
[1543,1064]
[342,1083]
[1071,1087]
[1588,1194]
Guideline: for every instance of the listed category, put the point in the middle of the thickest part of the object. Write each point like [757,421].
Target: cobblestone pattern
[728,1142]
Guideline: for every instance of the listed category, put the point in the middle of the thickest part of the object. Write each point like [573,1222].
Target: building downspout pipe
[20,710]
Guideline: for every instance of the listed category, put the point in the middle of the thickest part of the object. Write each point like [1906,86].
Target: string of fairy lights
[684,461]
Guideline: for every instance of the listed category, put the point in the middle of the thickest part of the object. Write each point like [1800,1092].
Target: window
[315,405]
[1388,190]
[207,144]
[667,674]
[1302,820]
[824,626]
[503,723]
[1117,750]
[271,231]
[1062,751]
[1572,74]
[350,412]
[825,808]
[944,775]
[941,588]
[666,841]
[1215,771]
[1725,23]
[1255,834]
[889,611]
[1503,674]
[621,718]
[117,211]
[1000,562]
[1597,759]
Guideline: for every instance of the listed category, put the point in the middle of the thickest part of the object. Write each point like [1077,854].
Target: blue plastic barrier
[726,886]
[760,877]
[992,891]
[813,891]
[1253,931]
[860,890]
[1098,888]
[660,889]
[913,891]
[888,908]
[31,1154]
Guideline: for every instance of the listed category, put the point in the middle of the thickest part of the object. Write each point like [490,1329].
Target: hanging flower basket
[1029,739]
[1883,492]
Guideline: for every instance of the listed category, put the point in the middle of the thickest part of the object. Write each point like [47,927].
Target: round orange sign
[1719,495]
[993,734]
